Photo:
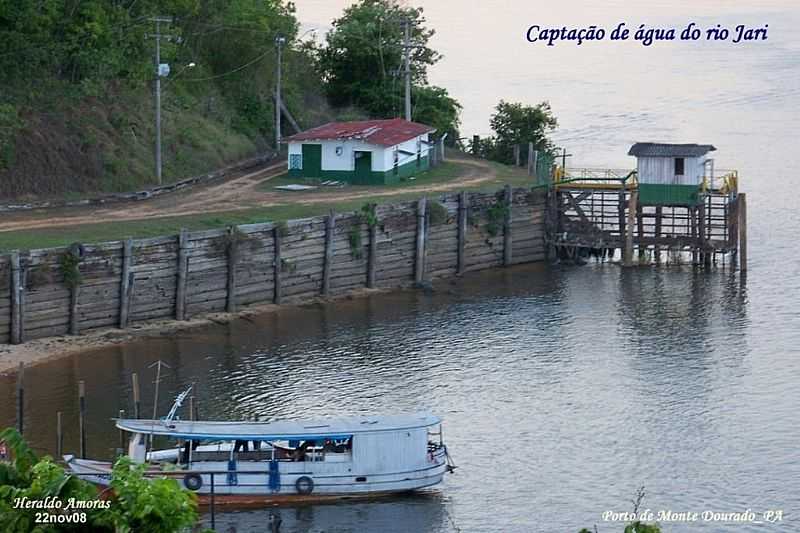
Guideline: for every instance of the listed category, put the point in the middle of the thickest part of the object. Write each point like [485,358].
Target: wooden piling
[742,232]
[21,398]
[507,243]
[659,215]
[233,255]
[632,204]
[330,226]
[692,213]
[82,417]
[124,285]
[182,275]
[621,214]
[59,436]
[419,264]
[136,402]
[463,206]
[278,265]
[733,232]
[73,309]
[372,258]
[122,433]
[701,232]
[640,230]
[17,316]
[191,408]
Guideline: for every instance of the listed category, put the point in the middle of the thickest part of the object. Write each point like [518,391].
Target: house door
[363,171]
[312,160]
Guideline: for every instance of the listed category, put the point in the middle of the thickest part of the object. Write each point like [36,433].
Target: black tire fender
[193,482]
[304,485]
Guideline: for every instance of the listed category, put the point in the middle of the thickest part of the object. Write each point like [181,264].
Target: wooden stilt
[278,265]
[632,204]
[136,402]
[463,205]
[507,242]
[657,251]
[59,435]
[419,264]
[82,417]
[742,232]
[183,267]
[330,226]
[124,284]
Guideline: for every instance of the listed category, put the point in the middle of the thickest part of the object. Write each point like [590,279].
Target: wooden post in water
[507,243]
[59,436]
[621,215]
[21,398]
[701,231]
[463,205]
[657,251]
[125,280]
[122,433]
[191,408]
[742,232]
[640,231]
[278,265]
[419,264]
[182,275]
[136,402]
[372,258]
[692,211]
[632,203]
[81,417]
[233,255]
[733,231]
[16,301]
[327,267]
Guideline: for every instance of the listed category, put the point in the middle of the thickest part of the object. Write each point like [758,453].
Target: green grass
[111,231]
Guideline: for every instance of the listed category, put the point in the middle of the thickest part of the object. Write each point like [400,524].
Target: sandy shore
[39,351]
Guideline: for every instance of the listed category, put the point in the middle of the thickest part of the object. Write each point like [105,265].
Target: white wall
[382,157]
[390,451]
[661,170]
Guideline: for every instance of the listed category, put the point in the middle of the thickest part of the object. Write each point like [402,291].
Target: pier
[599,211]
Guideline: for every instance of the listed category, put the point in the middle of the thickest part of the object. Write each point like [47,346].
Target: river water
[563,389]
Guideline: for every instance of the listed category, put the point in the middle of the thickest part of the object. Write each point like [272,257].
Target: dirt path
[238,193]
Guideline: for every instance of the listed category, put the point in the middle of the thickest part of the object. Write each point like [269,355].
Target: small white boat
[273,462]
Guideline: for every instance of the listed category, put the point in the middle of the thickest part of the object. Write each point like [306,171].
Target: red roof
[381,132]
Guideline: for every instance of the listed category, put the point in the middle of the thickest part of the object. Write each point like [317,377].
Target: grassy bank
[296,205]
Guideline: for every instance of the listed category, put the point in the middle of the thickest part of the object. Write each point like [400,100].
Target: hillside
[77,105]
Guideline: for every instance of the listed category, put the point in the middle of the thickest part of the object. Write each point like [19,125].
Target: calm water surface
[563,389]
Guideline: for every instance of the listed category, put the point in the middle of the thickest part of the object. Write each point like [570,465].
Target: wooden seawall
[115,284]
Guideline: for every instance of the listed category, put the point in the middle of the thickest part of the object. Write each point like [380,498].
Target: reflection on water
[562,391]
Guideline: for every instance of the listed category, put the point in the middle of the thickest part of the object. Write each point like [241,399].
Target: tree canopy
[515,123]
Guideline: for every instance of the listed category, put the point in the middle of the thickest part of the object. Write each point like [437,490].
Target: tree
[362,65]
[519,124]
[434,106]
[364,49]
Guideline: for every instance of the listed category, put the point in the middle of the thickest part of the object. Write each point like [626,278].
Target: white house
[671,174]
[361,152]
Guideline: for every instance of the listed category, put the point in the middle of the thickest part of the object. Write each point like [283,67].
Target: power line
[237,69]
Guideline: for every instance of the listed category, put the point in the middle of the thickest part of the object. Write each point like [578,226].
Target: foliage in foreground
[134,503]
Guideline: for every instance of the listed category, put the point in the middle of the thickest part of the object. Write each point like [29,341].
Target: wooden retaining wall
[193,273]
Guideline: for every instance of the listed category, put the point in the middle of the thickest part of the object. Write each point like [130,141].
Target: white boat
[273,462]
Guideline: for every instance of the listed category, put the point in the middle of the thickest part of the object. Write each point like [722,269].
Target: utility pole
[279,42]
[157,36]
[407,69]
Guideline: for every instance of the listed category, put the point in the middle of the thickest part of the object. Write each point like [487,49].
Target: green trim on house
[661,194]
[375,177]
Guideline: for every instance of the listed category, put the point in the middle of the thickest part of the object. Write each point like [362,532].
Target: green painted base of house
[374,178]
[657,194]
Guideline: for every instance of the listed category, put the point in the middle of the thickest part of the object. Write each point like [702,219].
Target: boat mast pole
[158,364]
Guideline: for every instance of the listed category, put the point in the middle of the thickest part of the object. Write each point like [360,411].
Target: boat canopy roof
[325,428]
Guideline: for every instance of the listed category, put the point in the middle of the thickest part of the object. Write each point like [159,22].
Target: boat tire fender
[304,485]
[193,482]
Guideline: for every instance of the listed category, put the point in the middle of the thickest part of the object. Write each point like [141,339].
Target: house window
[295,161]
[679,161]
